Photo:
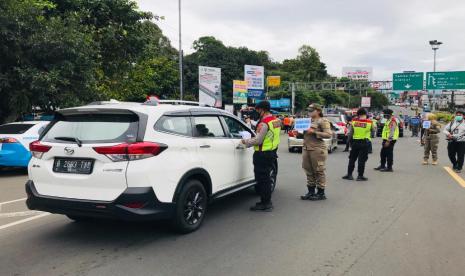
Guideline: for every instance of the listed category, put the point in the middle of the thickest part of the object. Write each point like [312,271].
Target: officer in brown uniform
[431,140]
[315,153]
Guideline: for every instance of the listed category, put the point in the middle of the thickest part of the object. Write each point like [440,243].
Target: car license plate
[77,166]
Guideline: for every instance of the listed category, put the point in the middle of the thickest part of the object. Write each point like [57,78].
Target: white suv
[132,161]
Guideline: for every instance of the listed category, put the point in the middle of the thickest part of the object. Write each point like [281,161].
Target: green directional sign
[445,80]
[407,81]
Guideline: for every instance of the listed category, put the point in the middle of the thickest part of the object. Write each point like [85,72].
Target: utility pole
[293,98]
[181,88]
[435,46]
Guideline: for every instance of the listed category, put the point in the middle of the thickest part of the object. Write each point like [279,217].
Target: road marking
[12,201]
[23,221]
[455,176]
[19,214]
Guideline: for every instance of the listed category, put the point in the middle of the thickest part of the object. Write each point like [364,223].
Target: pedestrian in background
[286,123]
[265,156]
[389,135]
[415,125]
[360,135]
[431,140]
[455,134]
[315,153]
[348,126]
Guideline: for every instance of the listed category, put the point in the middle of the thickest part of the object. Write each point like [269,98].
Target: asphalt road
[409,222]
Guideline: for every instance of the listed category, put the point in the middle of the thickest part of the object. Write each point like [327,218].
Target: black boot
[348,177]
[311,193]
[319,196]
[386,170]
[262,207]
[380,168]
[361,178]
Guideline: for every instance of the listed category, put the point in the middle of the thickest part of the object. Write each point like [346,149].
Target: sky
[390,36]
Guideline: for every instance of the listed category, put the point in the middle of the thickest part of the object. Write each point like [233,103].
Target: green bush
[444,116]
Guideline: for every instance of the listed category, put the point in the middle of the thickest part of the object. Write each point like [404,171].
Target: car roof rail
[174,102]
[112,101]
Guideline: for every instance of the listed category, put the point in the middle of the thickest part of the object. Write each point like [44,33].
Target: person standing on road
[389,135]
[360,134]
[315,153]
[348,126]
[431,140]
[415,125]
[265,157]
[287,123]
[455,133]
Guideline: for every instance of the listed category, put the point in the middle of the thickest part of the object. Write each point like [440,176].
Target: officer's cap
[315,107]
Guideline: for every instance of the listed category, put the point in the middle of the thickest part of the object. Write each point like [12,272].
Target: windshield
[94,128]
[15,128]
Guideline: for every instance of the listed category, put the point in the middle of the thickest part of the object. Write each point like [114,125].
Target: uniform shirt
[262,129]
[315,141]
[351,130]
[392,128]
[434,129]
[457,129]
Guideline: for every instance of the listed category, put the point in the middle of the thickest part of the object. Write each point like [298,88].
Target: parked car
[295,140]
[341,122]
[381,123]
[14,142]
[131,161]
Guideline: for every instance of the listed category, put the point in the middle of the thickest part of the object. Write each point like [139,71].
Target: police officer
[315,153]
[360,134]
[265,157]
[390,135]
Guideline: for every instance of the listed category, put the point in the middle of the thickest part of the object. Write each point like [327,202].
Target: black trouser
[415,131]
[263,162]
[359,151]
[387,154]
[456,151]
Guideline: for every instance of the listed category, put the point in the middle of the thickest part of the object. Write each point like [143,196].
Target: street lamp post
[181,88]
[435,46]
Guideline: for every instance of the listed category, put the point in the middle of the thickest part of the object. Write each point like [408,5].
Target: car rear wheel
[191,206]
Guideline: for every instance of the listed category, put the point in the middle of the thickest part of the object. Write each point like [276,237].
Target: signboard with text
[366,102]
[358,73]
[407,81]
[445,80]
[239,92]
[255,78]
[302,124]
[210,86]
[273,81]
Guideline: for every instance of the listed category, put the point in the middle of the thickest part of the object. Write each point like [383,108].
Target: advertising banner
[366,102]
[281,103]
[210,86]
[358,73]
[273,81]
[255,78]
[239,92]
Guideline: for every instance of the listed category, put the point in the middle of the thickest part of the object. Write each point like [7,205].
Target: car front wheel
[190,207]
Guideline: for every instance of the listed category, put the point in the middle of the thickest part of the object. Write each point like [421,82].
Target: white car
[295,140]
[135,161]
[15,139]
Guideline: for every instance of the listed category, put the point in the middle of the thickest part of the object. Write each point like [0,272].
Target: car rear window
[95,128]
[15,128]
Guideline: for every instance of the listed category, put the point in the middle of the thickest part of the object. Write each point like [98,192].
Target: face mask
[387,116]
[459,118]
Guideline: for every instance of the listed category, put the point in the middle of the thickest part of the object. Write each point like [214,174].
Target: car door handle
[205,146]
[241,147]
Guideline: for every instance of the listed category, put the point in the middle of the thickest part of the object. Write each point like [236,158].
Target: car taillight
[292,133]
[130,152]
[8,140]
[37,149]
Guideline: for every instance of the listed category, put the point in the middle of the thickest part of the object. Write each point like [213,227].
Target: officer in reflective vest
[265,157]
[390,135]
[360,134]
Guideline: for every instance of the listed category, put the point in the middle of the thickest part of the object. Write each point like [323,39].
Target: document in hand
[245,135]
[426,124]
[302,124]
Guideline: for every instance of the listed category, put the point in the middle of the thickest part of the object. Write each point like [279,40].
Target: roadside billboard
[366,102]
[255,78]
[273,81]
[210,86]
[239,92]
[358,73]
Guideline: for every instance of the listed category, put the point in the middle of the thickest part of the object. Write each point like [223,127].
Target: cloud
[390,35]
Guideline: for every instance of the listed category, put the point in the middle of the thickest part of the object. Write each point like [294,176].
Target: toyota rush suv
[132,161]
